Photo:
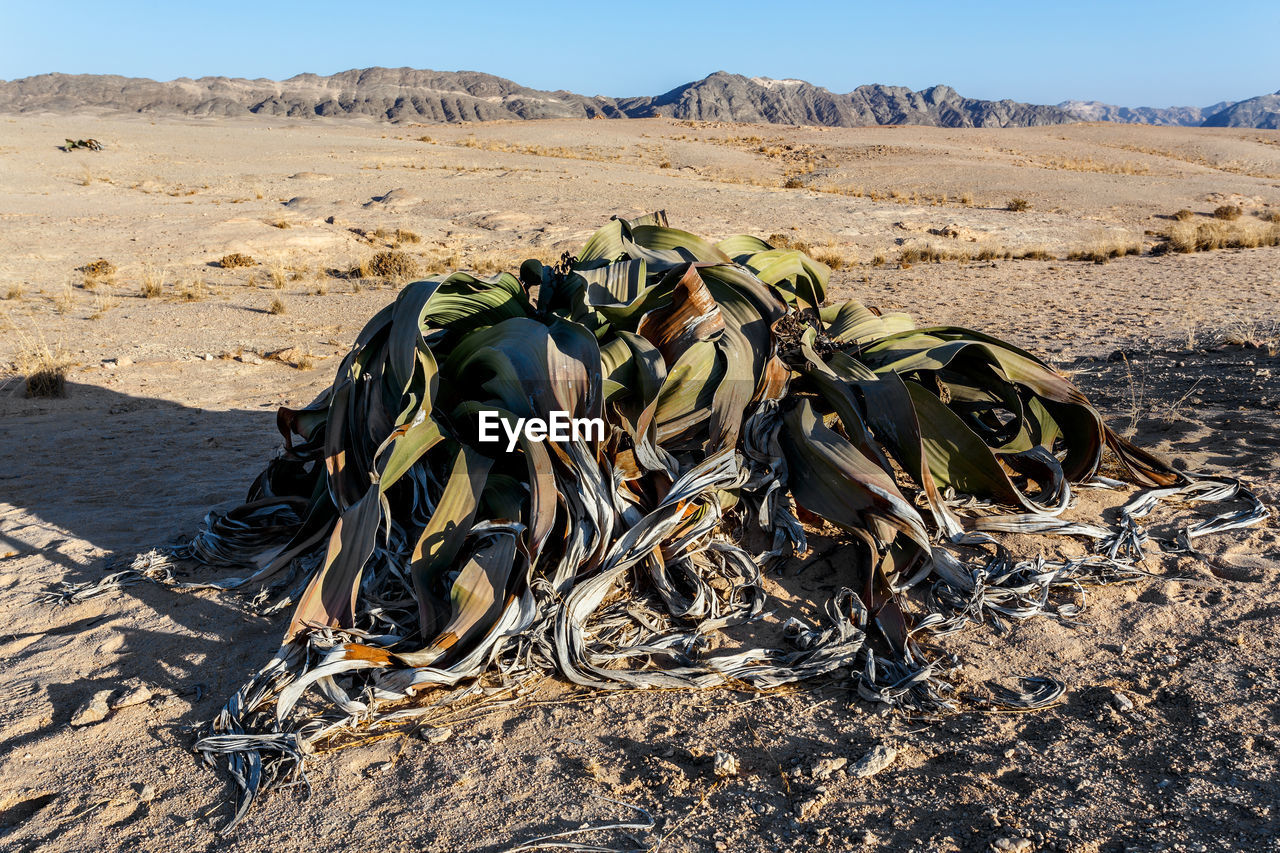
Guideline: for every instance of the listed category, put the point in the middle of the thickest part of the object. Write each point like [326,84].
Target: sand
[169,412]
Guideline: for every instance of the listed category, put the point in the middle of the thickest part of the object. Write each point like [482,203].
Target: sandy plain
[170,410]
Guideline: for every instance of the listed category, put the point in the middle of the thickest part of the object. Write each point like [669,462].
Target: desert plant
[282,224]
[101,268]
[234,260]
[1183,215]
[1228,212]
[44,368]
[713,386]
[1018,204]
[392,265]
[15,293]
[193,290]
[403,235]
[152,284]
[277,306]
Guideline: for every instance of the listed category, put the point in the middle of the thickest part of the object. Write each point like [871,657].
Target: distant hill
[407,94]
[1261,112]
[1175,116]
[400,94]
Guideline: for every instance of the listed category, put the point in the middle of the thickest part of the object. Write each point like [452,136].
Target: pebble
[725,764]
[874,761]
[93,711]
[147,794]
[1121,702]
[1013,845]
[439,735]
[250,358]
[131,696]
[826,767]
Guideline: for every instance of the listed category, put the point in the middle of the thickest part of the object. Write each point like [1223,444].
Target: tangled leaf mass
[737,402]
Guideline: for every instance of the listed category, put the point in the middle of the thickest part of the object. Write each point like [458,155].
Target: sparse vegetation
[1229,212]
[193,290]
[234,260]
[44,368]
[282,224]
[403,235]
[1183,215]
[1104,249]
[785,241]
[101,268]
[152,283]
[277,276]
[1018,205]
[1213,234]
[830,257]
[15,293]
[277,306]
[390,265]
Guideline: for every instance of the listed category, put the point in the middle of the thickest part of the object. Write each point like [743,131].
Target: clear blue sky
[1135,54]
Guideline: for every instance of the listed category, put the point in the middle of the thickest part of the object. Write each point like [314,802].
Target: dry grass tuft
[65,300]
[1104,249]
[831,257]
[1229,212]
[1220,234]
[193,290]
[405,236]
[277,306]
[45,369]
[235,259]
[15,293]
[785,241]
[152,283]
[282,224]
[104,301]
[1183,215]
[278,277]
[1018,205]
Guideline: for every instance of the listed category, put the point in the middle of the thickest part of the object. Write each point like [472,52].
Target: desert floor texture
[1168,735]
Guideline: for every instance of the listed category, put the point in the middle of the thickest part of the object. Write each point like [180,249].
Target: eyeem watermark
[560,428]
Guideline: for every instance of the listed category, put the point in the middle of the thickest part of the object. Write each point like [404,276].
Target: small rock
[439,735]
[250,358]
[826,767]
[725,764]
[147,794]
[1012,845]
[1121,702]
[207,356]
[811,806]
[874,761]
[131,696]
[95,710]
[1117,355]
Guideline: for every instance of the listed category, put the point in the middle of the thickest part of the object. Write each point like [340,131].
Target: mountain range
[406,94]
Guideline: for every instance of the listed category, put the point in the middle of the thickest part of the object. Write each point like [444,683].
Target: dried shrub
[1229,212]
[101,268]
[234,260]
[1018,205]
[391,265]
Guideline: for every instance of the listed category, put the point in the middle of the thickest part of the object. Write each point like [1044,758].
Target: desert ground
[1167,737]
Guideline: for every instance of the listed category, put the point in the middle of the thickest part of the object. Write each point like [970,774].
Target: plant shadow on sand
[98,476]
